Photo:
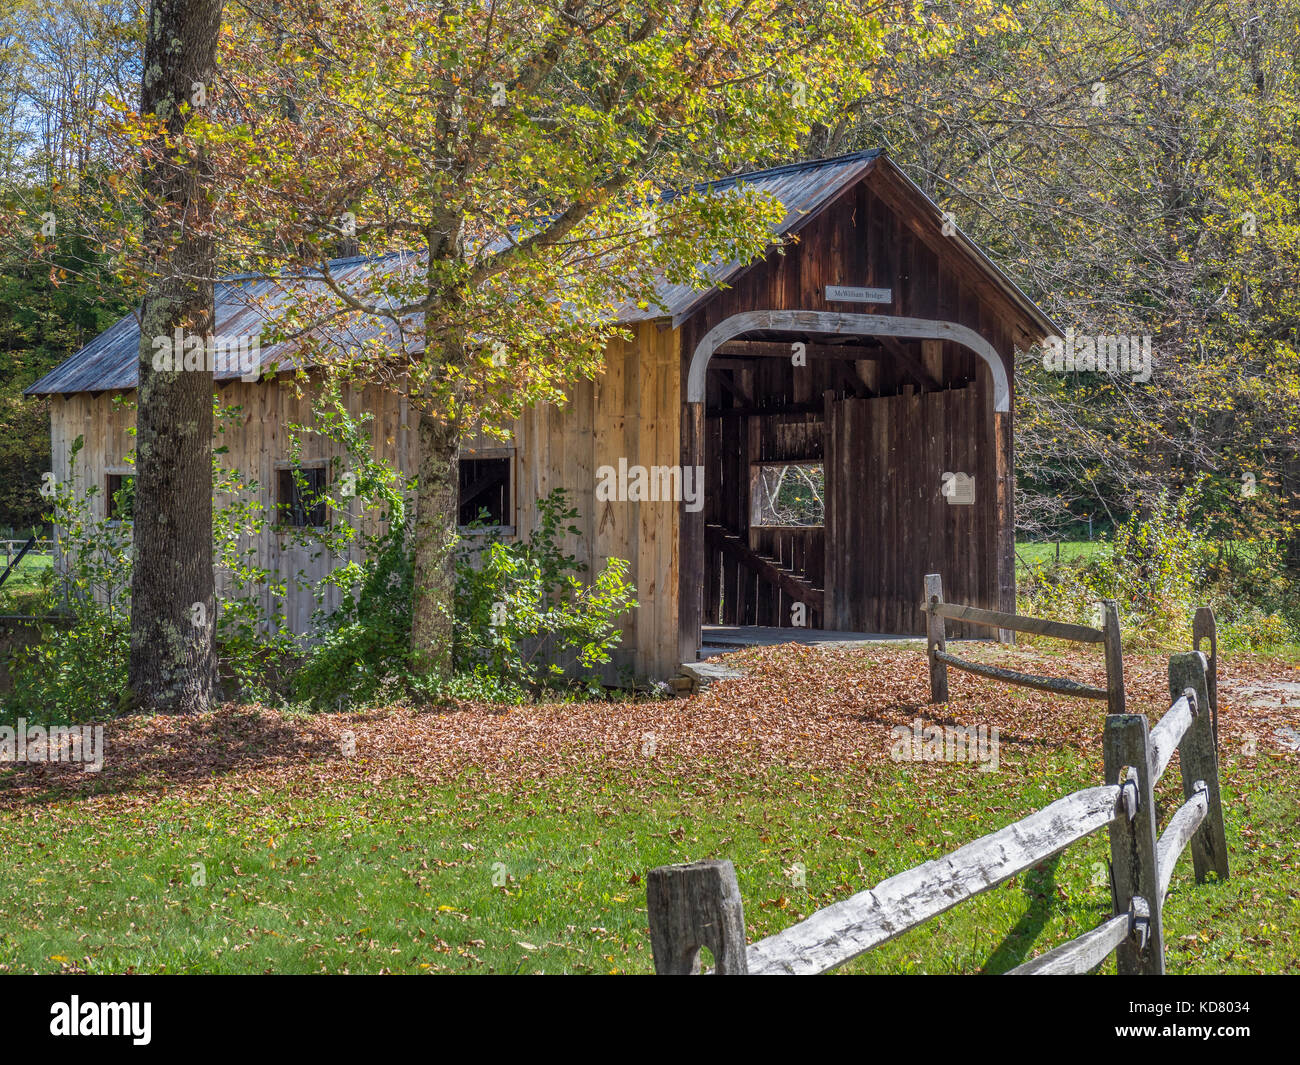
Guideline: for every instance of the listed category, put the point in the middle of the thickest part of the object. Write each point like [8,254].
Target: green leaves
[524,615]
[513,150]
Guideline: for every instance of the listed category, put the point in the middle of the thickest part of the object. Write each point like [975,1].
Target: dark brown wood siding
[875,550]
[889,521]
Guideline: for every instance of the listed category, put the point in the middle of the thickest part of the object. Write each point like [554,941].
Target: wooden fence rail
[24,546]
[699,905]
[40,546]
[938,612]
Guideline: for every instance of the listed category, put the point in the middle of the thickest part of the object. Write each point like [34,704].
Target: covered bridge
[849,400]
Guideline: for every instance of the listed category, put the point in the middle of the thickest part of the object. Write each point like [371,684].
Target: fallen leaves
[799,708]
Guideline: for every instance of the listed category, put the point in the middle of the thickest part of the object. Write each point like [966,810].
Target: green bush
[524,622]
[1253,629]
[524,615]
[1155,568]
[76,673]
[1159,569]
[363,653]
[25,601]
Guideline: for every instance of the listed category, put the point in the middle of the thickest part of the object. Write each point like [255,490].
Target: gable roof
[245,302]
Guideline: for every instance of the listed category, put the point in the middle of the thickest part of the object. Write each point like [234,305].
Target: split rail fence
[936,640]
[11,562]
[699,905]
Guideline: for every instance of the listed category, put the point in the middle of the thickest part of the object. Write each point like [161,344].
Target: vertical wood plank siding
[884,445]
[884,433]
[631,411]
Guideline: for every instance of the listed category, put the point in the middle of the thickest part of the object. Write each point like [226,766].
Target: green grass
[1032,551]
[22,588]
[1028,553]
[549,876]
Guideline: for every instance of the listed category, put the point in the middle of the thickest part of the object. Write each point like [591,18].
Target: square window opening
[301,497]
[789,495]
[485,492]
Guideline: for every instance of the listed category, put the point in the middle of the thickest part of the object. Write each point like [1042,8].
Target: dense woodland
[1132,166]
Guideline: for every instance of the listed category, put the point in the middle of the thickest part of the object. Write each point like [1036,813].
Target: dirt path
[1272,706]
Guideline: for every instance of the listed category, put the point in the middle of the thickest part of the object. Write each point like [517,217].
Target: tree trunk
[436,513]
[173,608]
[1290,492]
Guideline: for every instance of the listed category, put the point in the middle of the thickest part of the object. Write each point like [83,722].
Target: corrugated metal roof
[244,304]
[801,188]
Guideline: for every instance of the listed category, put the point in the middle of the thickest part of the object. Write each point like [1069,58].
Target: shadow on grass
[1015,948]
[148,755]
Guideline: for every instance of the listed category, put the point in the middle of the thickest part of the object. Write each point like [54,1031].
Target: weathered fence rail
[699,905]
[938,613]
[1204,628]
[39,545]
[11,561]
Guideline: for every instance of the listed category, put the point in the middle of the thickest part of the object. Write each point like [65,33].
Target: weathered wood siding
[874,235]
[631,411]
[257,436]
[890,523]
[876,425]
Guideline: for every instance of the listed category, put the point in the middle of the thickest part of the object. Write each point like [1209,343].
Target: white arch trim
[835,322]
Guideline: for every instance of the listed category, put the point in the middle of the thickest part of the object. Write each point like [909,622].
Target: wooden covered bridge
[867,357]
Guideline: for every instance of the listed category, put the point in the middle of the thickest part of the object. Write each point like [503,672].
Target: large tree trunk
[173,662]
[436,512]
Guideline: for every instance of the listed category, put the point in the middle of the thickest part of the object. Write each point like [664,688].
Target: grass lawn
[1028,553]
[19,590]
[487,841]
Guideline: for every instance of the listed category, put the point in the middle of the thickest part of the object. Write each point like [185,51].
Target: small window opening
[485,491]
[789,495]
[301,502]
[121,496]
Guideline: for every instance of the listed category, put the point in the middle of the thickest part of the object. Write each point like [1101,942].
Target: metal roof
[244,306]
[245,303]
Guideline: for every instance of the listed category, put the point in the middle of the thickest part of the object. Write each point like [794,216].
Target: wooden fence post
[1204,627]
[1198,759]
[936,638]
[1134,870]
[694,906]
[1114,657]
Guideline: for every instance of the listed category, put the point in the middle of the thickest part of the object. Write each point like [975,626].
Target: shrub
[77,672]
[1254,630]
[363,653]
[1155,569]
[523,614]
[519,607]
